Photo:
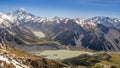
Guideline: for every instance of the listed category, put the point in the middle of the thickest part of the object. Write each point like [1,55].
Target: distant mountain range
[98,33]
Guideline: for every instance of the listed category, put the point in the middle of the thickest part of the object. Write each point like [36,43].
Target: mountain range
[99,33]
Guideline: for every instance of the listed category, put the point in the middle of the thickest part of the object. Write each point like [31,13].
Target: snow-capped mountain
[107,21]
[22,15]
[13,31]
[7,21]
[95,33]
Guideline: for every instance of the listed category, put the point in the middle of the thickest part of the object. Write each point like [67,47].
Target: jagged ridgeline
[98,33]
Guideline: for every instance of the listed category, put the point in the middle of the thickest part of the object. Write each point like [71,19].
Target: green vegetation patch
[90,61]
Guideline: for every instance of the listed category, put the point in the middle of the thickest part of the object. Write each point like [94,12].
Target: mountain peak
[21,10]
[18,12]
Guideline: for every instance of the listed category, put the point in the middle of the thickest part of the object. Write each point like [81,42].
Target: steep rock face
[7,37]
[99,38]
[102,38]
[66,33]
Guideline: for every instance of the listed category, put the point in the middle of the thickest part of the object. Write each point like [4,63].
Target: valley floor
[60,54]
[77,58]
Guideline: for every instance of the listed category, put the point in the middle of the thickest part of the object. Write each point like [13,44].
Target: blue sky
[64,8]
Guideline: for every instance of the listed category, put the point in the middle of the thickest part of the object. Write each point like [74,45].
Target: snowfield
[39,34]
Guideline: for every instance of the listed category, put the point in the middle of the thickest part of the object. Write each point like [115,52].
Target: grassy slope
[113,61]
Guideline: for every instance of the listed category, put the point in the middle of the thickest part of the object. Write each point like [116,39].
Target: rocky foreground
[12,58]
